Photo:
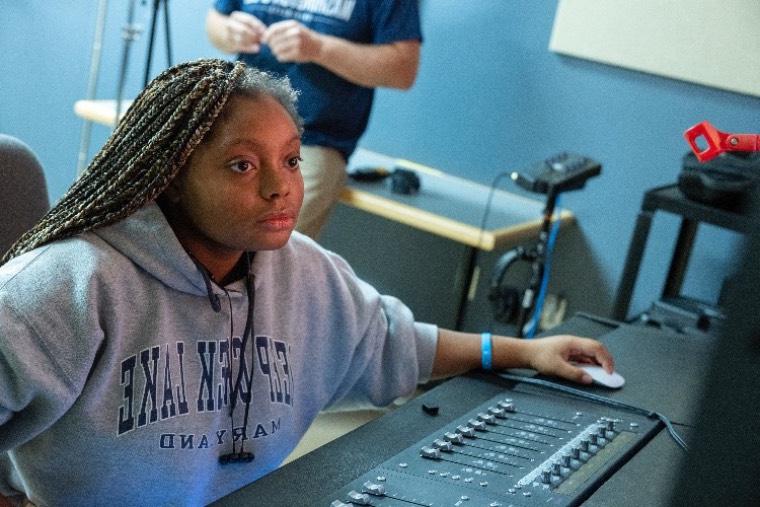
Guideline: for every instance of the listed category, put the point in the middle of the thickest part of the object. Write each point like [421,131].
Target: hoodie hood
[148,240]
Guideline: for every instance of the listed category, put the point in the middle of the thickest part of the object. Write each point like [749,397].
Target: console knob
[507,406]
[443,445]
[358,498]
[579,455]
[454,438]
[598,440]
[430,453]
[604,435]
[487,418]
[590,446]
[374,489]
[466,431]
[497,412]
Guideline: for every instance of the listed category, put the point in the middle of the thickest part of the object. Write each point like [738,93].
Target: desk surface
[646,478]
[446,205]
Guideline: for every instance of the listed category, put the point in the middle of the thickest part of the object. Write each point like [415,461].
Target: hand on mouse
[554,355]
[458,352]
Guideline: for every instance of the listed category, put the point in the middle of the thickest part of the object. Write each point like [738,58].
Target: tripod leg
[169,58]
[528,303]
[533,295]
[151,38]
[129,34]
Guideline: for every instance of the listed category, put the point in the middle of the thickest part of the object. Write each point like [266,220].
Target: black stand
[537,257]
[670,199]
[557,174]
[130,33]
[157,5]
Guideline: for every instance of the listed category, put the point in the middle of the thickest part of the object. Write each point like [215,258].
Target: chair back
[23,190]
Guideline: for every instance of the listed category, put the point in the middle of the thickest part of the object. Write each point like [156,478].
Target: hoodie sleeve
[377,351]
[34,390]
[49,338]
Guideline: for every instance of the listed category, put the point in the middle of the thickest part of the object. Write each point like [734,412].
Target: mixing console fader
[523,448]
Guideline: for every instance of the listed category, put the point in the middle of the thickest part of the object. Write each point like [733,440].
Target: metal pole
[92,83]
[169,58]
[129,34]
[151,39]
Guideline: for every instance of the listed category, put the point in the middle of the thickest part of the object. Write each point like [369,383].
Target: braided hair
[150,145]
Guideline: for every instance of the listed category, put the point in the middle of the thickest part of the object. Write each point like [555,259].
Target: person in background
[335,54]
[166,338]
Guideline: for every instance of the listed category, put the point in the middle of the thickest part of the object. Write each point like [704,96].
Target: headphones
[505,300]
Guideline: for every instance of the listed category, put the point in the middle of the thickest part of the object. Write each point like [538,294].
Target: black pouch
[726,181]
[404,181]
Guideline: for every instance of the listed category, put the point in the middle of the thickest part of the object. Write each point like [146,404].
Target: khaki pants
[324,176]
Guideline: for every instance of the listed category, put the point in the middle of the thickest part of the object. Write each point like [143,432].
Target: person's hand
[244,32]
[554,355]
[290,41]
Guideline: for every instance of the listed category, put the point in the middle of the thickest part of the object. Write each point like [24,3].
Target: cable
[483,221]
[601,400]
[487,209]
[536,319]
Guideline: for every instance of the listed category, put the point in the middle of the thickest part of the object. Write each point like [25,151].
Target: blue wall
[490,97]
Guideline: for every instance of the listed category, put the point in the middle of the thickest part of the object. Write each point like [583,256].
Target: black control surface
[520,448]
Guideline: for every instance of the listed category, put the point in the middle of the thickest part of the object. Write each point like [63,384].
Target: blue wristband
[486,355]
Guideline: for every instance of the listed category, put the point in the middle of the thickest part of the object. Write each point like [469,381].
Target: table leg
[680,259]
[632,265]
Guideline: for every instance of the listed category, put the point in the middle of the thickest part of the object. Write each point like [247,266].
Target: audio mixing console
[524,447]
[487,440]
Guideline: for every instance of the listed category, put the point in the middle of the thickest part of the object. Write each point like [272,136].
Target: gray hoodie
[120,361]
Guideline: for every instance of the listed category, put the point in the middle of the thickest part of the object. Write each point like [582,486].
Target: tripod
[509,304]
[130,33]
[158,4]
[557,174]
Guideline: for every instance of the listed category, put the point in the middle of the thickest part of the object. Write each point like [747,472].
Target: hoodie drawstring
[212,296]
[242,456]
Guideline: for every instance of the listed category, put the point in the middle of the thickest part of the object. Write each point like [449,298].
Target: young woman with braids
[165,338]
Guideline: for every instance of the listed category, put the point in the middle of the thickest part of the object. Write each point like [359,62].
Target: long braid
[150,145]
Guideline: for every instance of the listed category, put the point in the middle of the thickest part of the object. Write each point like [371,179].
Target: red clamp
[718,142]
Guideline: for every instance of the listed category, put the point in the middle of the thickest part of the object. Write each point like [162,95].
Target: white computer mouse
[612,380]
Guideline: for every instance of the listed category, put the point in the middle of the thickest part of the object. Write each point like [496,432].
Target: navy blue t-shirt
[335,111]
